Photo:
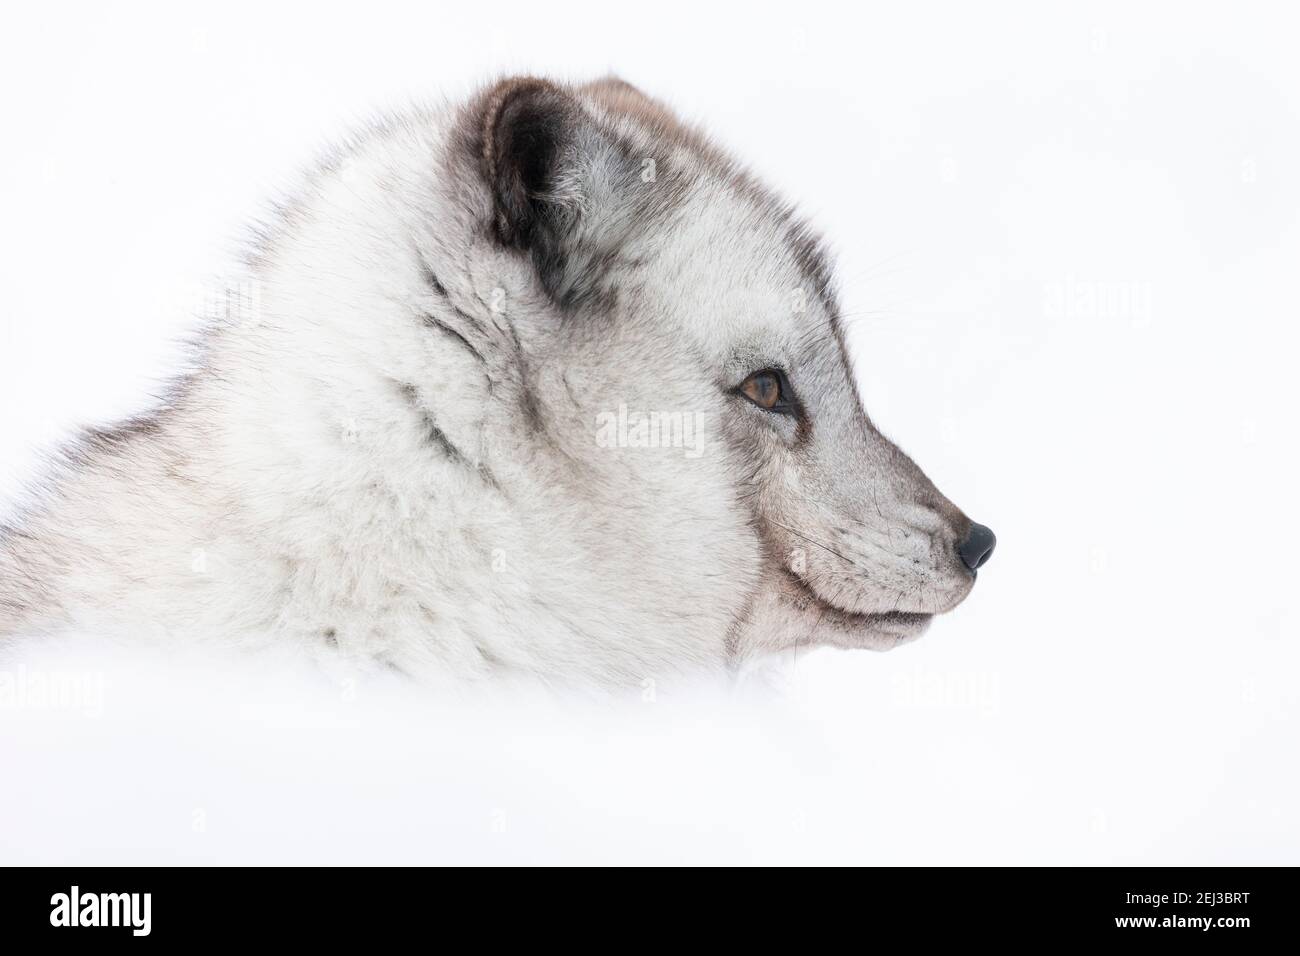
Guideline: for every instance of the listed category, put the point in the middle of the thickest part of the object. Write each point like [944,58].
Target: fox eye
[769,390]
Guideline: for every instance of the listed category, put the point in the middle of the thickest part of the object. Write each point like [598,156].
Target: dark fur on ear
[528,127]
[565,189]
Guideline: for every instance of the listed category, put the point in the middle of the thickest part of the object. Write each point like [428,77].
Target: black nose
[978,547]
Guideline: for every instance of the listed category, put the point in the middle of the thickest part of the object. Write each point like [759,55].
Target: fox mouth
[900,623]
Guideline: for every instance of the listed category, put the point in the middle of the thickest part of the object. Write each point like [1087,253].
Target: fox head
[681,336]
[541,383]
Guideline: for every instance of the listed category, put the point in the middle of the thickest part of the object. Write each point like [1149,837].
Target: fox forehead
[731,273]
[718,224]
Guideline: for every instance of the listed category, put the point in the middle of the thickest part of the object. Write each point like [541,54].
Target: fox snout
[885,542]
[959,546]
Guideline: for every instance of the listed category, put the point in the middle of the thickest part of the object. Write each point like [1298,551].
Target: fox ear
[529,134]
[559,183]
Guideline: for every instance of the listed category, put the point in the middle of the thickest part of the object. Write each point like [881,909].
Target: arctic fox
[543,383]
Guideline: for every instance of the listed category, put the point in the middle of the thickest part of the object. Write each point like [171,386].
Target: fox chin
[539,383]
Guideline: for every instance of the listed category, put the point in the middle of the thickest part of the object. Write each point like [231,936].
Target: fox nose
[978,547]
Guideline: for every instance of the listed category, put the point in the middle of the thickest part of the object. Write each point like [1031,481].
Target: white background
[1070,240]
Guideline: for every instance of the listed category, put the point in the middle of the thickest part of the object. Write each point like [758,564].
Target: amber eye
[768,390]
